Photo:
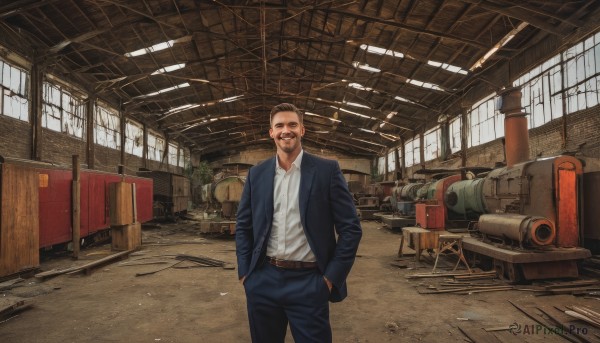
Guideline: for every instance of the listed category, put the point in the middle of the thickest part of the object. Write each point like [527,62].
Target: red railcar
[55,200]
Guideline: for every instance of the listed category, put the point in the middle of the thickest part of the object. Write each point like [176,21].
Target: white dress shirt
[288,241]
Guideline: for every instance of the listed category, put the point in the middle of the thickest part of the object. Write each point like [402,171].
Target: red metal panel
[568,230]
[55,207]
[430,216]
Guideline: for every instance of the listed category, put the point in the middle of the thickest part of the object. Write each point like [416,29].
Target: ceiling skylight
[355,104]
[165,90]
[381,51]
[231,98]
[388,117]
[448,67]
[365,67]
[182,108]
[355,113]
[498,45]
[399,98]
[359,86]
[424,84]
[154,48]
[169,69]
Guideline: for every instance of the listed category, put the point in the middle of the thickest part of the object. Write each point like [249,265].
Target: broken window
[432,146]
[156,146]
[134,138]
[412,150]
[184,157]
[582,74]
[455,138]
[541,90]
[107,126]
[391,161]
[14,84]
[381,166]
[63,110]
[486,122]
[173,150]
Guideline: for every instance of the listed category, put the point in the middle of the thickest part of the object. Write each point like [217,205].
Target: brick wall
[15,138]
[583,138]
[59,148]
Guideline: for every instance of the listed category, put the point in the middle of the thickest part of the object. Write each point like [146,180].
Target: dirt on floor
[188,303]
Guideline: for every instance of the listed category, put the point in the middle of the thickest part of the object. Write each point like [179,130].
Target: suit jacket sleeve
[347,226]
[244,236]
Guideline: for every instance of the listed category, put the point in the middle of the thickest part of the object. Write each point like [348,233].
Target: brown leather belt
[285,264]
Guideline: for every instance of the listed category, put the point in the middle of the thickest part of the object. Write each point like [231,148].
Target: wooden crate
[126,237]
[19,219]
[419,239]
[121,203]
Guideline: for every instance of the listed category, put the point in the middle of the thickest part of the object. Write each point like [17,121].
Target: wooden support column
[563,119]
[145,147]
[463,138]
[386,168]
[403,153]
[37,82]
[91,122]
[123,133]
[422,148]
[76,206]
[397,164]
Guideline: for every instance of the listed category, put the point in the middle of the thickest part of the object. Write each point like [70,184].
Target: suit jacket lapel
[269,184]
[307,172]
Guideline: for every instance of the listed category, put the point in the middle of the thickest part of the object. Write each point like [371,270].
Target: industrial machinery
[525,218]
[228,193]
[38,197]
[171,193]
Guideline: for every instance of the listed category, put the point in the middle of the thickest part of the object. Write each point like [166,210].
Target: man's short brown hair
[284,107]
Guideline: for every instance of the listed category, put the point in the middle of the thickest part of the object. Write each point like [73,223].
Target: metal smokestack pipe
[516,134]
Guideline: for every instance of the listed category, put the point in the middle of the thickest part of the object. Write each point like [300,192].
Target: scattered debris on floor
[87,268]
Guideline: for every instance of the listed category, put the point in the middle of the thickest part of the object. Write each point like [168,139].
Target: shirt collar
[297,162]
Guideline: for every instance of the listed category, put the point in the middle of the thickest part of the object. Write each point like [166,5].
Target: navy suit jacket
[326,208]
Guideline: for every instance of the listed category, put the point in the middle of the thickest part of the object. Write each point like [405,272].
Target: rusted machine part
[423,192]
[465,197]
[409,191]
[506,190]
[516,139]
[515,127]
[537,231]
[229,188]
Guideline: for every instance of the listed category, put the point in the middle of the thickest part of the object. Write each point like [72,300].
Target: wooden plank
[121,203]
[564,323]
[536,318]
[469,289]
[92,264]
[19,219]
[413,276]
[478,335]
[126,237]
[10,284]
[14,307]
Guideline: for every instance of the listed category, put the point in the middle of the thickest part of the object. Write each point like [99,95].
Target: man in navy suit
[289,260]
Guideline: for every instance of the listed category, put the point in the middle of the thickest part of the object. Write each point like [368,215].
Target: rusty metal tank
[465,197]
[545,188]
[229,189]
[526,230]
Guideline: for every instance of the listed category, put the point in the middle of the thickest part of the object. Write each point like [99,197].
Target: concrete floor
[208,304]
